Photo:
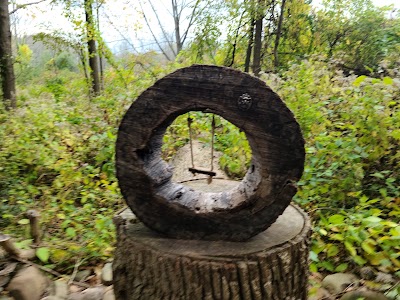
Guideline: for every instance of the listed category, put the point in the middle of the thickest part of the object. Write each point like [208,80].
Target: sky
[121,23]
[120,20]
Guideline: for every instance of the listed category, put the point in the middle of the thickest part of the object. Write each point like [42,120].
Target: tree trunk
[272,265]
[176,16]
[249,46]
[101,48]
[93,55]
[278,35]
[6,60]
[258,40]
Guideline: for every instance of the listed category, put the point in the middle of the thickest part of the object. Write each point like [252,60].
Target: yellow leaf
[359,80]
[388,80]
[376,258]
[59,255]
[69,142]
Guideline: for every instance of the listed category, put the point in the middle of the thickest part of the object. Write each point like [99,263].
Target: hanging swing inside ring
[193,169]
[199,157]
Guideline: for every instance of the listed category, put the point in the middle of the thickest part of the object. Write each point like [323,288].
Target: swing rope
[212,142]
[193,169]
[190,120]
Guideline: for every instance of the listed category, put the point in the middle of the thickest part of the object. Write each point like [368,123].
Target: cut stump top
[291,226]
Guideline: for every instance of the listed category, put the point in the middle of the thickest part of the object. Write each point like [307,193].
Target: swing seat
[204,172]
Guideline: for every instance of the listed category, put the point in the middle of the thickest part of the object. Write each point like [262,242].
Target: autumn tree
[94,67]
[294,37]
[355,32]
[258,32]
[6,58]
[278,34]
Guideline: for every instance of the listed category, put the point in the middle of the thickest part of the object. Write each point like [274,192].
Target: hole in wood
[204,163]
[145,178]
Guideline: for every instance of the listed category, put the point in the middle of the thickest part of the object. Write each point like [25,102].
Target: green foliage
[58,157]
[43,254]
[361,37]
[23,69]
[57,149]
[350,125]
[228,139]
[236,150]
[64,61]
[346,33]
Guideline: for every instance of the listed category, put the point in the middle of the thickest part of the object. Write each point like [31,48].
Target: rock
[28,254]
[321,294]
[337,283]
[6,270]
[82,275]
[95,293]
[367,273]
[52,298]
[107,274]
[75,288]
[3,254]
[28,284]
[384,278]
[75,296]
[4,280]
[365,295]
[109,295]
[60,289]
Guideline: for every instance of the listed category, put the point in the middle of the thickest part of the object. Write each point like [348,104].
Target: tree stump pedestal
[217,244]
[270,265]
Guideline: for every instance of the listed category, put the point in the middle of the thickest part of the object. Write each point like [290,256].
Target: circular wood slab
[184,212]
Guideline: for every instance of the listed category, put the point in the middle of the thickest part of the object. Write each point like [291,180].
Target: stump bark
[271,265]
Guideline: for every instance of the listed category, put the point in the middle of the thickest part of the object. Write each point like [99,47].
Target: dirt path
[202,160]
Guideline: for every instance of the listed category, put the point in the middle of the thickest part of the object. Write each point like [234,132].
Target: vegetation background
[336,65]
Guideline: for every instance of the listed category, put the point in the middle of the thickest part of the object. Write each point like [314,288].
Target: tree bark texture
[6,60]
[176,16]
[183,212]
[270,266]
[278,35]
[92,49]
[258,29]
[249,46]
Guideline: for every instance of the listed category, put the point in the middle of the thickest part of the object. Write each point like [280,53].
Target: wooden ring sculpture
[181,212]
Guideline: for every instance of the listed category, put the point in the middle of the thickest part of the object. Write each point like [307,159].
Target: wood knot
[245,102]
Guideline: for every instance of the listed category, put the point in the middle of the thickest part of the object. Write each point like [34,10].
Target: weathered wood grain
[182,212]
[271,265]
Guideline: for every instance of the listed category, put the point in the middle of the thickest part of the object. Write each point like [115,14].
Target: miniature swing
[193,169]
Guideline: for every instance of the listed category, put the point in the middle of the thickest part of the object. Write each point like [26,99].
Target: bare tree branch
[191,21]
[236,39]
[176,17]
[152,33]
[124,38]
[25,5]
[161,27]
